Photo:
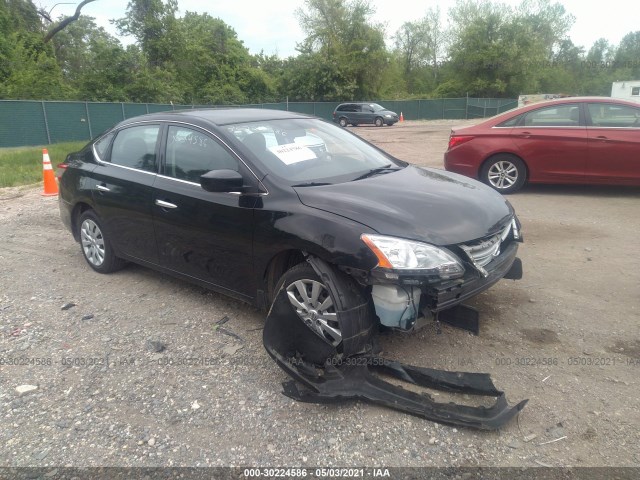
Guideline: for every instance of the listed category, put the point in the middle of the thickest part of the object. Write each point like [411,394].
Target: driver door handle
[103,188]
[163,204]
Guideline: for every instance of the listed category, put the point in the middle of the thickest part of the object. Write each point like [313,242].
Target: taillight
[456,140]
[60,168]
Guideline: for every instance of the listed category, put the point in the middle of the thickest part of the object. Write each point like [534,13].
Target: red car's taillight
[455,140]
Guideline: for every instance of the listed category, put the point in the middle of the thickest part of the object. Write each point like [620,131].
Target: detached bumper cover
[357,380]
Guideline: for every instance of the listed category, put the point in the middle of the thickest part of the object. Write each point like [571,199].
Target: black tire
[379,122]
[504,173]
[95,246]
[322,312]
[343,122]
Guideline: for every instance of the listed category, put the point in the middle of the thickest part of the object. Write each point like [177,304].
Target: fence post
[122,107]
[466,108]
[86,109]
[46,123]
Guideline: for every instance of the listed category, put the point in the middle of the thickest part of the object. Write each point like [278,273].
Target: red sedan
[582,140]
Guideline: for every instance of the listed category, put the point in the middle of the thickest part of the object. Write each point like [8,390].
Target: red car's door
[553,142]
[614,144]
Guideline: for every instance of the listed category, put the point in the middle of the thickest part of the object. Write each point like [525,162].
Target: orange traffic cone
[401,117]
[50,184]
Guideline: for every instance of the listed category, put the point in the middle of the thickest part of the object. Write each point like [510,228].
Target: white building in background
[627,90]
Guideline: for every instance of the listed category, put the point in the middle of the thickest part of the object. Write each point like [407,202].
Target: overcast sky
[273,27]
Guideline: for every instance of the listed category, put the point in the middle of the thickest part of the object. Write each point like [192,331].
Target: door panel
[614,144]
[123,192]
[553,143]
[202,234]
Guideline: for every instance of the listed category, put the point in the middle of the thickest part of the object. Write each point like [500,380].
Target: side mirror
[222,181]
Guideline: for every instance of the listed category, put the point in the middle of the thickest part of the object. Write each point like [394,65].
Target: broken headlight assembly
[408,255]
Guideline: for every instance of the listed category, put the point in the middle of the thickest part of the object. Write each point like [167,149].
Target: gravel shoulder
[139,369]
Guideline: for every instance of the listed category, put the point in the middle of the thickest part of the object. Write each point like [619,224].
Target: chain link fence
[27,123]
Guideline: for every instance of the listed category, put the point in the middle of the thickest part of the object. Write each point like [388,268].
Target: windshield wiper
[375,171]
[311,184]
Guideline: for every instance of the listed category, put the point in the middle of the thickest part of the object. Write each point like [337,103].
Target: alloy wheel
[314,306]
[92,242]
[503,174]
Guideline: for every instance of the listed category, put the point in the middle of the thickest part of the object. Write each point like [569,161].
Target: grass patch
[23,166]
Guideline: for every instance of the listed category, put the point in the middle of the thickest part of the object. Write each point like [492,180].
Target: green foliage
[343,55]
[498,51]
[28,68]
[419,47]
[153,23]
[489,49]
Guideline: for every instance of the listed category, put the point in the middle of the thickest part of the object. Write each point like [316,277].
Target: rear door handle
[163,204]
[103,188]
[524,134]
[602,137]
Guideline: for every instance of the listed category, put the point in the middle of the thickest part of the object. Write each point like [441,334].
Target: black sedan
[252,202]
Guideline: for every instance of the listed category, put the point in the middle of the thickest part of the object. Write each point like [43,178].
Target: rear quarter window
[102,146]
[512,122]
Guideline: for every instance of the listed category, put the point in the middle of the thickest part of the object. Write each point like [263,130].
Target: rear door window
[610,115]
[135,147]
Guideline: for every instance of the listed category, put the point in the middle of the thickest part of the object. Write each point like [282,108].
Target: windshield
[309,151]
[377,108]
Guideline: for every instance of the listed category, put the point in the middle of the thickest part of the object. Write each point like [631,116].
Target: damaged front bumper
[399,299]
[327,376]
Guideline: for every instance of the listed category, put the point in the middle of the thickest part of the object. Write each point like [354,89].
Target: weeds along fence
[28,122]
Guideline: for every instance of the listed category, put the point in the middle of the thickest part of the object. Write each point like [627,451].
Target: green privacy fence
[26,122]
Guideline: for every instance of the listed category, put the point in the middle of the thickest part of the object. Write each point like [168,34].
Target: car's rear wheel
[505,173]
[96,247]
[343,122]
[379,122]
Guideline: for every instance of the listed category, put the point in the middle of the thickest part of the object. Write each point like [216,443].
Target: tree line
[477,48]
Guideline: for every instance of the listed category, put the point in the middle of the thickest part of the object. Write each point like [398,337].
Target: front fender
[330,237]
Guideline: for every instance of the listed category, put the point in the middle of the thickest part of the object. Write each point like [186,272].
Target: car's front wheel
[323,309]
[313,303]
[96,247]
[379,122]
[505,173]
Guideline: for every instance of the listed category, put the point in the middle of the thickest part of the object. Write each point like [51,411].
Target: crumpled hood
[429,205]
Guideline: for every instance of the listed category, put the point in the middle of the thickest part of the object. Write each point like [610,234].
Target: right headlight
[400,254]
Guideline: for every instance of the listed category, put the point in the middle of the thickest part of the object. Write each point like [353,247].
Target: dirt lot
[566,336]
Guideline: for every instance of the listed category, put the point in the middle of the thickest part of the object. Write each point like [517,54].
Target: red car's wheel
[504,172]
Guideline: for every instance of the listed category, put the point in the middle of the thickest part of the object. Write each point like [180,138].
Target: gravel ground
[139,369]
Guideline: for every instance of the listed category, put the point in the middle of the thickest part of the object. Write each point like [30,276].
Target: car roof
[218,116]
[358,103]
[533,106]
